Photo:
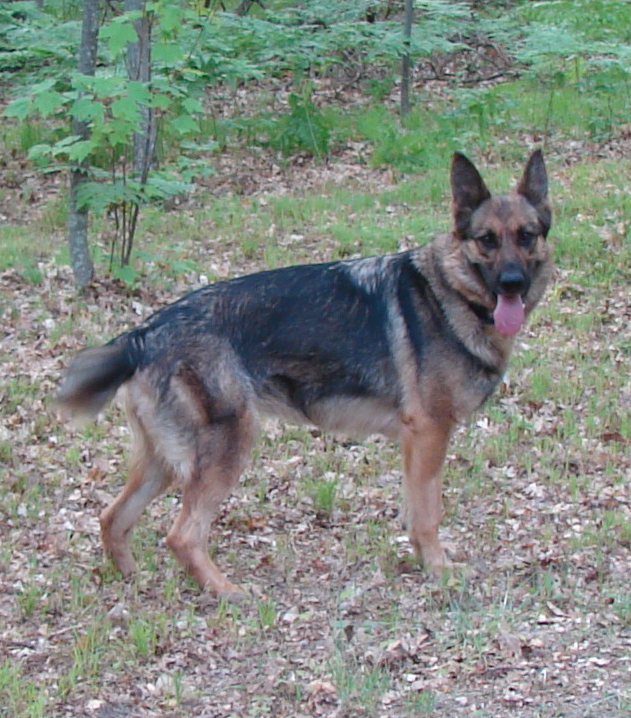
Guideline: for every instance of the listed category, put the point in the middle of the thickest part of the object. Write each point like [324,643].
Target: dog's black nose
[512,280]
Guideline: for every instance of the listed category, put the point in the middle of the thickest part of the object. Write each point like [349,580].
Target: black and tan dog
[406,345]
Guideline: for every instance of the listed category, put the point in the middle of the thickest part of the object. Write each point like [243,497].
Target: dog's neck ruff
[482,313]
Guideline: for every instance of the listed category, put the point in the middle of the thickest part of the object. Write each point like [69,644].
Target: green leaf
[20,108]
[139,92]
[78,151]
[39,153]
[47,102]
[105,86]
[183,265]
[67,141]
[146,256]
[85,108]
[127,274]
[184,124]
[169,53]
[165,184]
[161,101]
[118,130]
[192,105]
[118,33]
[126,108]
[170,18]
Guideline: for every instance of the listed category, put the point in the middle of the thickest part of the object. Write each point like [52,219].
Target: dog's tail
[95,375]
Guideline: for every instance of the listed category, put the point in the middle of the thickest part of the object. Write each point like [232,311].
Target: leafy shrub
[303,129]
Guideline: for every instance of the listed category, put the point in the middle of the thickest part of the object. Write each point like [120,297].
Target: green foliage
[314,36]
[569,67]
[586,35]
[599,20]
[111,106]
[304,129]
[35,42]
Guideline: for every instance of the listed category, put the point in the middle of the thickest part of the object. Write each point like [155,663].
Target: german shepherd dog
[405,344]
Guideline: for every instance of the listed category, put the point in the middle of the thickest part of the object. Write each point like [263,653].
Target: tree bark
[406,65]
[139,68]
[80,258]
[244,6]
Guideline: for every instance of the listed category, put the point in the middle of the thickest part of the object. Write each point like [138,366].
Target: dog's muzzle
[510,314]
[512,280]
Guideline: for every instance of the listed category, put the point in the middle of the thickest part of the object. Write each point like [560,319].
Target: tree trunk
[80,259]
[244,6]
[139,68]
[406,64]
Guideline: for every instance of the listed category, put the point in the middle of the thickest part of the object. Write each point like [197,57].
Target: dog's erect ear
[534,184]
[534,187]
[468,191]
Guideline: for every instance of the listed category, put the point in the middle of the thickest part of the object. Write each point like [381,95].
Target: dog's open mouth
[509,314]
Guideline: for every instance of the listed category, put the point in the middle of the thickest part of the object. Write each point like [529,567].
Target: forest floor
[534,620]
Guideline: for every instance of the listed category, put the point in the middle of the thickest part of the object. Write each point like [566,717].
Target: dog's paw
[211,599]
[434,559]
[234,594]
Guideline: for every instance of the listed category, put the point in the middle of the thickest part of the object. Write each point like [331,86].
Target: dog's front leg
[424,443]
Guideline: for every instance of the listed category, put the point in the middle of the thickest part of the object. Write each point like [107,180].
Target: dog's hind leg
[425,444]
[148,478]
[222,451]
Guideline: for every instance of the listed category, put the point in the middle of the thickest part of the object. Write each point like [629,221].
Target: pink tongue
[509,314]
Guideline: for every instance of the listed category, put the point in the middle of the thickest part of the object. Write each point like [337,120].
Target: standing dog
[406,345]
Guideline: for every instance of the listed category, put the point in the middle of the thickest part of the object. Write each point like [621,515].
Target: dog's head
[502,239]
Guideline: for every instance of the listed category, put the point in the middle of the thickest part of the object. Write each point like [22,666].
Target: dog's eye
[526,238]
[488,241]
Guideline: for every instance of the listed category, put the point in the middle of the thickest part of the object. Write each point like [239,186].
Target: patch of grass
[322,492]
[358,684]
[420,703]
[19,249]
[95,432]
[88,656]
[54,218]
[6,453]
[29,599]
[621,604]
[20,694]
[598,239]
[17,392]
[144,635]
[266,611]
